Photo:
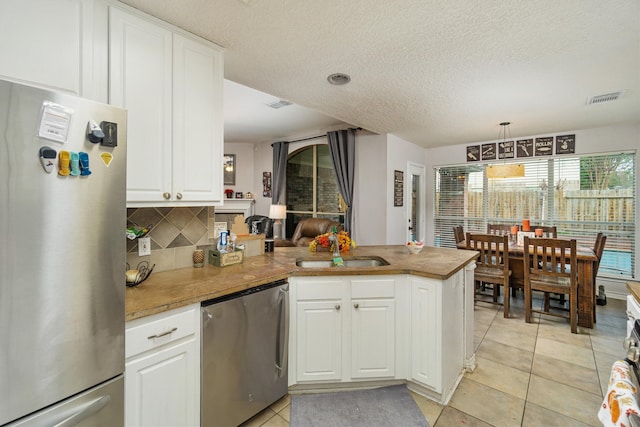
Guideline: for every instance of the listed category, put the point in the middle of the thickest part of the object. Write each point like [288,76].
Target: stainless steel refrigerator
[62,259]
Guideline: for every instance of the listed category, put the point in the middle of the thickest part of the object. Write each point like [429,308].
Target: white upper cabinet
[171,85]
[47,43]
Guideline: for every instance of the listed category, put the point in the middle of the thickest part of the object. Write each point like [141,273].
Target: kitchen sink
[351,262]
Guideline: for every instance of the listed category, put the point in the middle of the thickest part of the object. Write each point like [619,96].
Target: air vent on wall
[599,99]
[279,104]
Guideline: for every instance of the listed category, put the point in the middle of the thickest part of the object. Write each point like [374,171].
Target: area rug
[379,407]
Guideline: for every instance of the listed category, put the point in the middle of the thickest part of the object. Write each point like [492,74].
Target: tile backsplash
[175,234]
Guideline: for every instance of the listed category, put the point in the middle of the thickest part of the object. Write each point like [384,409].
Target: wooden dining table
[587,260]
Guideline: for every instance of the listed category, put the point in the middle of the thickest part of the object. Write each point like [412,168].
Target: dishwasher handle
[282,333]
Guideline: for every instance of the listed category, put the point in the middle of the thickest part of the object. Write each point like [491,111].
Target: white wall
[399,153]
[588,141]
[369,189]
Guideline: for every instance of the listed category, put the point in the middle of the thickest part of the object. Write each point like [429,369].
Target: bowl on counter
[414,247]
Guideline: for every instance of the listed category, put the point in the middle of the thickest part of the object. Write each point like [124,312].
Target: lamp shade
[278,211]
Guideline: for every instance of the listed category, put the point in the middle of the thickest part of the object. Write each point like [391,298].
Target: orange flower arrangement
[344,242]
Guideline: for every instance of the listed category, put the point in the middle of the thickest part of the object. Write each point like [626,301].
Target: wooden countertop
[634,288]
[176,288]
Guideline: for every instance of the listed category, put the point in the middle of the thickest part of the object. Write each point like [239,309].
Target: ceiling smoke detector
[339,79]
[279,104]
[599,99]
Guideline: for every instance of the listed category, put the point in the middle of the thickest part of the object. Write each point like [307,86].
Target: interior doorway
[416,202]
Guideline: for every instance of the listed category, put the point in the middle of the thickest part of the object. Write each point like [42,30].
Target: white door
[416,207]
[373,338]
[160,388]
[319,340]
[425,333]
[140,80]
[197,121]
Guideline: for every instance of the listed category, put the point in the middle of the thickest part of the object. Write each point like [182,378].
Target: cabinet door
[46,43]
[140,79]
[373,339]
[425,333]
[160,387]
[319,340]
[197,121]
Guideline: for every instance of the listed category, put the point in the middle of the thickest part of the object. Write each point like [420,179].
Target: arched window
[312,189]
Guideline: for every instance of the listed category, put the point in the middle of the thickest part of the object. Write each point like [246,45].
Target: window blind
[580,195]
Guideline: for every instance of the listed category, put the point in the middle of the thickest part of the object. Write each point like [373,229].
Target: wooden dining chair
[492,265]
[598,250]
[498,229]
[458,234]
[548,231]
[550,266]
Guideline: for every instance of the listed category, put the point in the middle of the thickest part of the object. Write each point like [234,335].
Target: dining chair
[499,229]
[598,250]
[550,266]
[548,231]
[492,264]
[458,234]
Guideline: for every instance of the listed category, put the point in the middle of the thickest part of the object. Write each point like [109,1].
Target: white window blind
[580,195]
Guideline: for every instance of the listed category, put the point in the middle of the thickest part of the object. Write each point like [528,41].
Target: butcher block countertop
[176,288]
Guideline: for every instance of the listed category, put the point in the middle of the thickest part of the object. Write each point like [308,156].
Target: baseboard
[613,288]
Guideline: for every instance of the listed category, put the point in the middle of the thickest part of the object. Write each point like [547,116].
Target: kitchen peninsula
[410,321]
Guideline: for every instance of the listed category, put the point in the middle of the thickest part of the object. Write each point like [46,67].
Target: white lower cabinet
[379,328]
[162,369]
[437,338]
[373,328]
[318,329]
[343,328]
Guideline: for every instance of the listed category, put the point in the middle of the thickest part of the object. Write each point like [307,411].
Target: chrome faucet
[333,237]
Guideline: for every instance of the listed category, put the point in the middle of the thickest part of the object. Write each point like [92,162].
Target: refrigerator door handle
[85,411]
[282,333]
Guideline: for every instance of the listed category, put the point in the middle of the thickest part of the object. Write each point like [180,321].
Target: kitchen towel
[379,407]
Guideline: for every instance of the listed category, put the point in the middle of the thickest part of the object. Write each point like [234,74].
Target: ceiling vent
[599,99]
[279,104]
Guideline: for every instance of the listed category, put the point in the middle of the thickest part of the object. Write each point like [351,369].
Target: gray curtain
[279,179]
[342,148]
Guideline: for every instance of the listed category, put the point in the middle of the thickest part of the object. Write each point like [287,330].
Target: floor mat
[380,407]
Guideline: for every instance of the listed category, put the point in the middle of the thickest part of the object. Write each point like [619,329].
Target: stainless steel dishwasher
[244,353]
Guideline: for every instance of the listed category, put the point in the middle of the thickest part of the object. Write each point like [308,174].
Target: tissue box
[223,259]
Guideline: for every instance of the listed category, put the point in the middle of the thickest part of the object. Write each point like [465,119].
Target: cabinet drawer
[320,289]
[158,330]
[373,288]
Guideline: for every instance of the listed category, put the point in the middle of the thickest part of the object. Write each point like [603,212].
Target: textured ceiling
[431,72]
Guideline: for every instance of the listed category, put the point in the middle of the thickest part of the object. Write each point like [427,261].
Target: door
[416,205]
[373,338]
[425,333]
[319,340]
[197,121]
[160,389]
[140,80]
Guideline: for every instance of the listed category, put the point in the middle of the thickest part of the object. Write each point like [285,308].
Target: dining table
[586,259]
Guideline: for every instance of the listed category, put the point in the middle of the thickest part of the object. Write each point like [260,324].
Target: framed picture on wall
[229,169]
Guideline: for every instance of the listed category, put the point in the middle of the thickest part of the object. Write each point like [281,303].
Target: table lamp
[277,212]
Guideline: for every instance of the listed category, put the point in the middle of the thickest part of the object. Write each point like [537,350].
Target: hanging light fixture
[513,170]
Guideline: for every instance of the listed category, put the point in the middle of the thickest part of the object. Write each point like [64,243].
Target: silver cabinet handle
[337,307]
[167,196]
[179,196]
[164,334]
[356,305]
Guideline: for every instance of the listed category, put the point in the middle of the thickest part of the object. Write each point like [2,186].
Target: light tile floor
[528,374]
